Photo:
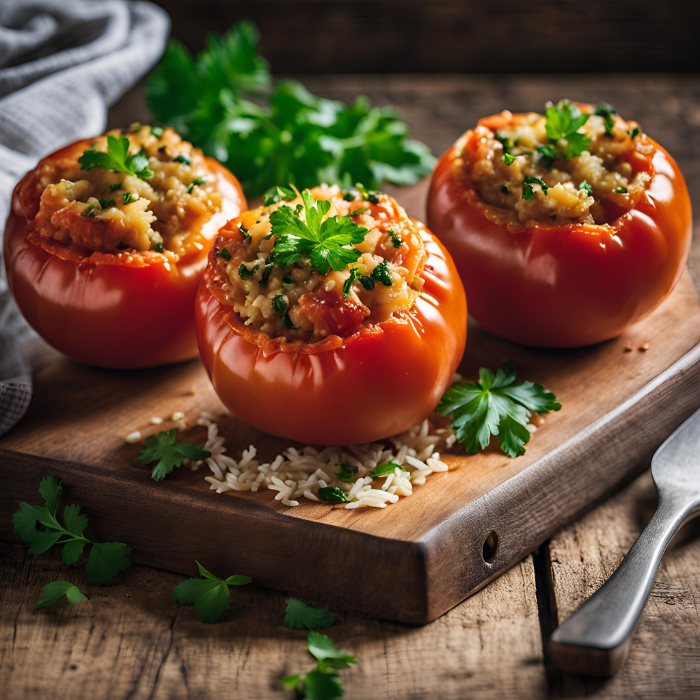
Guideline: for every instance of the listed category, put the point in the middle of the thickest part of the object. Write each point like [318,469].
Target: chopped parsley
[332,494]
[381,273]
[495,405]
[507,142]
[608,113]
[182,158]
[168,454]
[209,594]
[104,203]
[368,195]
[394,238]
[528,182]
[157,131]
[504,188]
[346,474]
[621,190]
[115,186]
[117,158]
[128,197]
[89,211]
[158,247]
[547,154]
[301,616]
[384,469]
[563,123]
[266,274]
[586,188]
[357,212]
[196,181]
[280,306]
[39,527]
[244,273]
[243,230]
[508,158]
[222,253]
[320,240]
[54,591]
[634,132]
[355,274]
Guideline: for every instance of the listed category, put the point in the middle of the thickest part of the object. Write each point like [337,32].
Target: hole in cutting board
[490,547]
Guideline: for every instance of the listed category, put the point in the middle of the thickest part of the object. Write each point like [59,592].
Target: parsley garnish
[608,113]
[367,194]
[548,154]
[495,405]
[209,594]
[53,592]
[508,158]
[586,188]
[287,280]
[222,253]
[244,231]
[280,306]
[507,142]
[381,273]
[196,181]
[158,247]
[244,273]
[346,474]
[115,186]
[157,131]
[384,469]
[621,190]
[320,240]
[323,683]
[563,122]
[357,212]
[394,238]
[182,158]
[355,274]
[332,494]
[266,274]
[117,158]
[528,182]
[128,197]
[89,211]
[167,453]
[301,616]
[280,194]
[38,526]
[104,203]
[504,188]
[634,132]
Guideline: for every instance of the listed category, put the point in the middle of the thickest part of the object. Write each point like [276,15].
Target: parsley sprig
[209,594]
[54,591]
[301,616]
[317,238]
[167,453]
[323,683]
[40,528]
[117,158]
[563,123]
[224,101]
[495,405]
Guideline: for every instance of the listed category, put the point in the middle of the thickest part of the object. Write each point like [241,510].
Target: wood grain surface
[129,641]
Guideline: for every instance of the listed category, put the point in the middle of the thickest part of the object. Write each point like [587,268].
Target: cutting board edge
[523,511]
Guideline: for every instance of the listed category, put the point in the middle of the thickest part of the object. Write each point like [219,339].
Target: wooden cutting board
[411,561]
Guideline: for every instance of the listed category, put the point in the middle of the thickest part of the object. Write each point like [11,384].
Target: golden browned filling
[143,190]
[567,166]
[322,263]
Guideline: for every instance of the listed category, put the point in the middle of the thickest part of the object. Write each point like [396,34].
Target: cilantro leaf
[53,592]
[209,594]
[563,122]
[346,474]
[323,649]
[116,158]
[318,239]
[167,453]
[106,560]
[332,494]
[299,615]
[495,405]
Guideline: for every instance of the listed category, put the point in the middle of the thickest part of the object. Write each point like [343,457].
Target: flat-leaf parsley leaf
[167,453]
[54,591]
[495,405]
[117,158]
[563,122]
[300,616]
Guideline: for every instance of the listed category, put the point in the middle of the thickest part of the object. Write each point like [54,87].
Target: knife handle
[595,639]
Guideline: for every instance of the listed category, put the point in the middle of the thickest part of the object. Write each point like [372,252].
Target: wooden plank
[663,659]
[129,641]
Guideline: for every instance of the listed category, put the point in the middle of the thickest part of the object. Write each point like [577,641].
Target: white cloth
[62,64]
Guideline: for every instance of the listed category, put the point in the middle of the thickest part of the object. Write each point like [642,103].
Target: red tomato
[565,286]
[379,382]
[104,310]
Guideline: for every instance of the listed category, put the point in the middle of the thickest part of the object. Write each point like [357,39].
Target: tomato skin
[111,314]
[376,384]
[568,286]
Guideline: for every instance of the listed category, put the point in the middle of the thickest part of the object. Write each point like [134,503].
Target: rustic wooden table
[130,641]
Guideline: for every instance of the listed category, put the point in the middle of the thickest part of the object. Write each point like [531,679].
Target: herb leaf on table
[495,405]
[299,615]
[167,453]
[209,594]
[223,100]
[39,527]
[54,591]
[117,158]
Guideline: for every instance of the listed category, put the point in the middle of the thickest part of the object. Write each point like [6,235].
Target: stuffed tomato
[107,240]
[566,228]
[330,318]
